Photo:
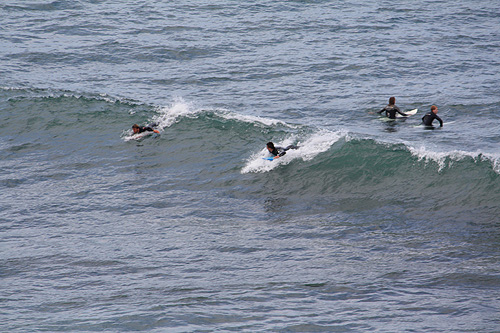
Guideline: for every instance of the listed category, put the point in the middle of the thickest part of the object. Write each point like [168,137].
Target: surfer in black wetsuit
[391,109]
[430,116]
[138,129]
[279,151]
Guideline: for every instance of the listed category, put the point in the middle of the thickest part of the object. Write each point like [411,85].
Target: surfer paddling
[278,151]
[391,109]
[429,117]
[138,129]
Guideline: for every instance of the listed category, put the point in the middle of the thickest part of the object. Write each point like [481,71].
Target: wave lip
[447,159]
[256,120]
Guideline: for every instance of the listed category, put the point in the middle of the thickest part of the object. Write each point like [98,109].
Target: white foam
[254,119]
[446,159]
[169,115]
[494,159]
[317,143]
[320,142]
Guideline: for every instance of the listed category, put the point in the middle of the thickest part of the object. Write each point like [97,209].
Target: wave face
[338,169]
[223,151]
[357,174]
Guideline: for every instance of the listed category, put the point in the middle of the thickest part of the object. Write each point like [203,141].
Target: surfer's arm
[379,112]
[280,152]
[399,111]
[440,121]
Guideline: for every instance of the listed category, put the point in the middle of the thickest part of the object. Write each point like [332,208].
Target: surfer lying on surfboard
[279,151]
[391,109]
[138,129]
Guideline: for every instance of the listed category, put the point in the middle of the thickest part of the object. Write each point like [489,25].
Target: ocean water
[370,225]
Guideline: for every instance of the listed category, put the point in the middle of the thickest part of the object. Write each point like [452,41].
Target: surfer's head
[392,100]
[135,128]
[270,146]
[434,109]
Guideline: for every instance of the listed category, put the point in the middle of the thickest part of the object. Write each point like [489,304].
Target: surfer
[391,109]
[430,116]
[279,151]
[138,129]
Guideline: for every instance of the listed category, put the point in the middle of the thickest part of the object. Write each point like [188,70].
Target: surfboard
[398,116]
[140,136]
[409,113]
[268,158]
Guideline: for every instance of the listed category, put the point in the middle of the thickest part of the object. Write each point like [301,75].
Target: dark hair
[433,108]
[392,100]
[135,126]
[270,145]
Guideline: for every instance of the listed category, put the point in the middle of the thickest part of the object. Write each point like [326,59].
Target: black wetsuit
[429,118]
[145,129]
[390,111]
[280,151]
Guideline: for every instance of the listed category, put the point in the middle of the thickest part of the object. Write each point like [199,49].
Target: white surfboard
[140,136]
[399,116]
[408,113]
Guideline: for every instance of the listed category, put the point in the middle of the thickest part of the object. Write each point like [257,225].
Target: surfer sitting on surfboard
[430,116]
[279,151]
[391,109]
[138,129]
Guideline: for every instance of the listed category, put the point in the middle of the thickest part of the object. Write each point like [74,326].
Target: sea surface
[370,225]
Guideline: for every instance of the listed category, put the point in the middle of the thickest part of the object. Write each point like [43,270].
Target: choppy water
[369,225]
